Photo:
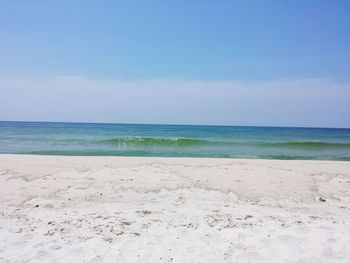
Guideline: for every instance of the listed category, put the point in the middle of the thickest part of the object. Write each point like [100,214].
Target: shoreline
[171,157]
[173,209]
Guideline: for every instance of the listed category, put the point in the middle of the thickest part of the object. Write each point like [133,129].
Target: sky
[265,63]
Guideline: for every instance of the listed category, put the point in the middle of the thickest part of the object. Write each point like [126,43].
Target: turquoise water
[174,140]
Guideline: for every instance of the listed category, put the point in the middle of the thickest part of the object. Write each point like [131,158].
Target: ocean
[98,139]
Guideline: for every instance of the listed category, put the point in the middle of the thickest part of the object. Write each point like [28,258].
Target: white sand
[111,209]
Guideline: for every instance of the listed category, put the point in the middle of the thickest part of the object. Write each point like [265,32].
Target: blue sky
[218,43]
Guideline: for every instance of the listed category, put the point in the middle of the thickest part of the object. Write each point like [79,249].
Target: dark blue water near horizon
[104,139]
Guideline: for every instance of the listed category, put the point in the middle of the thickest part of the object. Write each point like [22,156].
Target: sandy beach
[135,209]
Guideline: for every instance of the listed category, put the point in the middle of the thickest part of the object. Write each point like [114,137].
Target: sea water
[94,139]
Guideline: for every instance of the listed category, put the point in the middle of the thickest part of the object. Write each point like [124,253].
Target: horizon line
[174,124]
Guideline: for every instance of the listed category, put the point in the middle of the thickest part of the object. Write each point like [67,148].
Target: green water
[174,140]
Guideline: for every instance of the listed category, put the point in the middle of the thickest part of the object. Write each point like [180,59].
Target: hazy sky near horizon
[279,63]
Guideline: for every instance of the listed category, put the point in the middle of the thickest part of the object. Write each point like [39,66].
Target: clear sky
[280,63]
